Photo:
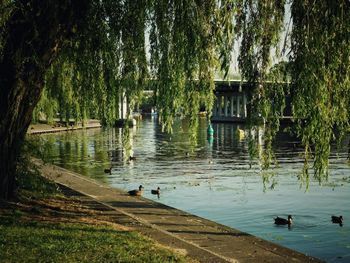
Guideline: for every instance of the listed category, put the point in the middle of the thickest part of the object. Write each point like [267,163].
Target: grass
[43,225]
[42,242]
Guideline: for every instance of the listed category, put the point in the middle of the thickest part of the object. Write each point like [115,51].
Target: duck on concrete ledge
[283,221]
[136,192]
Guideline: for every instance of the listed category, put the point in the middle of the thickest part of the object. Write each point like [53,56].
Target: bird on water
[283,221]
[337,220]
[156,192]
[136,192]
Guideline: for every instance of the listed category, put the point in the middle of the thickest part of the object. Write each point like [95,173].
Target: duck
[136,192]
[132,158]
[337,219]
[156,192]
[108,170]
[283,221]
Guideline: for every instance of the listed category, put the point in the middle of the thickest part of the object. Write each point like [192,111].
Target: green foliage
[320,75]
[183,49]
[37,146]
[318,71]
[33,233]
[6,8]
[180,45]
[258,24]
[147,102]
[107,58]
[28,178]
[47,106]
[253,144]
[271,105]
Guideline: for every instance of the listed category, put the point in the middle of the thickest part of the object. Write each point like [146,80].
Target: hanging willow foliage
[85,79]
[177,46]
[318,66]
[320,75]
[109,58]
[259,25]
[186,38]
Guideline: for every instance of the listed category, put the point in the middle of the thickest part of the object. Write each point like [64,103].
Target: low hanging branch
[318,70]
[320,75]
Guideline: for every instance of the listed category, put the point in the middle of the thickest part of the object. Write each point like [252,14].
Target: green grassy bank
[42,225]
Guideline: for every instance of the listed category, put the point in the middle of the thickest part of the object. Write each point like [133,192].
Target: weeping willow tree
[321,90]
[317,72]
[86,55]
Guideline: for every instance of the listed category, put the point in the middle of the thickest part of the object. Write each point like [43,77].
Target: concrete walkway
[201,239]
[45,128]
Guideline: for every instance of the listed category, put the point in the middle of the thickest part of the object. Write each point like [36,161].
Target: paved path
[201,239]
[45,128]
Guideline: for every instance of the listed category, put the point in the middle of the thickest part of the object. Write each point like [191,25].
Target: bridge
[230,104]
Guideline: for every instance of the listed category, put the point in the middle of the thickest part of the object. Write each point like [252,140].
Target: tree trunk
[34,34]
[13,129]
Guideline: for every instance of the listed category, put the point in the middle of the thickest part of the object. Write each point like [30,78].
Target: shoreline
[199,238]
[40,128]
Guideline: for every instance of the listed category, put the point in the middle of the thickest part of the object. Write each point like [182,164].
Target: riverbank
[39,128]
[51,223]
[200,239]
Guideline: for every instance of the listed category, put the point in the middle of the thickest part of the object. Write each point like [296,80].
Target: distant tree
[88,53]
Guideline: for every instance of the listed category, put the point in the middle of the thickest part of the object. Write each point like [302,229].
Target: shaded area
[69,227]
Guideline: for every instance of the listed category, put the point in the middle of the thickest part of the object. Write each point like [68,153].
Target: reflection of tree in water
[116,148]
[90,155]
[127,143]
[40,147]
[184,141]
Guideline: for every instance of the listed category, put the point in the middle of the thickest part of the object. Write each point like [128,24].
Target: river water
[216,179]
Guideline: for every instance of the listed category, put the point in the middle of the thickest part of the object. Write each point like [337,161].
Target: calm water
[214,179]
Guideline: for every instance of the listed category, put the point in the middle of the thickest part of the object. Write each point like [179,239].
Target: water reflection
[216,179]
